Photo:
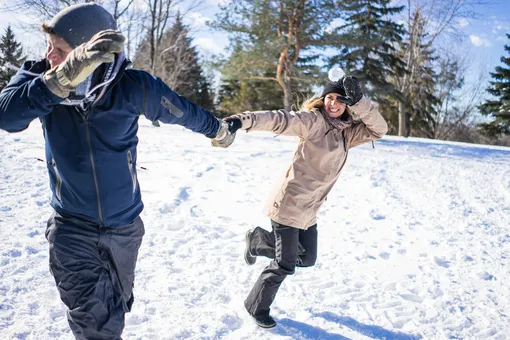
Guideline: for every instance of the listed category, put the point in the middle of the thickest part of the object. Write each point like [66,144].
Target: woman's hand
[352,91]
[234,123]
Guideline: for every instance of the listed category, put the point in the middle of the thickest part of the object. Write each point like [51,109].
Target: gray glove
[224,138]
[82,61]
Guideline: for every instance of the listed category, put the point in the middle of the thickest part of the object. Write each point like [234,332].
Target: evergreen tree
[10,52]
[243,93]
[178,65]
[498,108]
[369,38]
[276,42]
[235,96]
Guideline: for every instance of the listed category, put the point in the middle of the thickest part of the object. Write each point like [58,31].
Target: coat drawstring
[139,167]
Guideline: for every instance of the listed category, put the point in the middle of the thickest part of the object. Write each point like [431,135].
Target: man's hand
[224,137]
[352,91]
[82,61]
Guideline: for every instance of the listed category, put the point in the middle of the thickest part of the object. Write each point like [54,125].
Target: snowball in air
[335,74]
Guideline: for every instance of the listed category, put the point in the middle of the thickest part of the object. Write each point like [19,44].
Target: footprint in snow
[486,276]
[201,173]
[376,216]
[412,297]
[441,262]
[181,197]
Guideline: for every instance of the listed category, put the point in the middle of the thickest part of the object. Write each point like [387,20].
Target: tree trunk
[401,120]
[287,93]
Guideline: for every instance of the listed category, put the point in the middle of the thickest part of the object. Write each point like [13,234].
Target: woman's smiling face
[333,106]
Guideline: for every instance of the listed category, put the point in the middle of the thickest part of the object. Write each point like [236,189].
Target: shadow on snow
[292,328]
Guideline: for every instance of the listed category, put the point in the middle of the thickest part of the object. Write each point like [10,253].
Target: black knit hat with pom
[334,87]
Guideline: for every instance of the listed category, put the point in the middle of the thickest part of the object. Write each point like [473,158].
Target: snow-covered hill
[414,242]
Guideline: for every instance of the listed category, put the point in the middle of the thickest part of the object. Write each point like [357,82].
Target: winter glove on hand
[234,123]
[223,137]
[352,91]
[82,61]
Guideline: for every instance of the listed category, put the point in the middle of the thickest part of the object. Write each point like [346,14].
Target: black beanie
[334,87]
[78,23]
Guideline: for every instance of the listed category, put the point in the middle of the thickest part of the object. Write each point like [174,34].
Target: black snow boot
[265,321]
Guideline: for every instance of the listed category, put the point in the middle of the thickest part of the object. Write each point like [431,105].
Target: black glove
[352,91]
[234,124]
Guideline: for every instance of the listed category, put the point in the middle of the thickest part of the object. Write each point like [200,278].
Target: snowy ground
[414,242]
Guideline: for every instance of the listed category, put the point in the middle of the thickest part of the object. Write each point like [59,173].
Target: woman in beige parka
[326,132]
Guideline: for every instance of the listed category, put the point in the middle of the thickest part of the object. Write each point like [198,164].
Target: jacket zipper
[85,116]
[58,187]
[91,156]
[131,166]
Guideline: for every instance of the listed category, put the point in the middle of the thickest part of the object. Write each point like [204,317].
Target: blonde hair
[313,102]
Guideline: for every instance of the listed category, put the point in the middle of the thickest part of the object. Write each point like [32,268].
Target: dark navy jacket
[91,154]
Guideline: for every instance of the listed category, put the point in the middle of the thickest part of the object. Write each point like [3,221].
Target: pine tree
[277,42]
[178,65]
[10,52]
[247,94]
[498,108]
[235,96]
[369,38]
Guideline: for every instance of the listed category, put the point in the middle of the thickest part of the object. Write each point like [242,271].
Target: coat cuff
[246,119]
[364,107]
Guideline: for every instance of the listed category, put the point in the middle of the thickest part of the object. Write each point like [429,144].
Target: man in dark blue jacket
[89,104]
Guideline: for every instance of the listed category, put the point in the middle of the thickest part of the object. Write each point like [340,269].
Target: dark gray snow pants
[288,247]
[94,269]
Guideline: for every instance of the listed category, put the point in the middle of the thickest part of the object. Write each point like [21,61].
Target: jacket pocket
[132,170]
[58,180]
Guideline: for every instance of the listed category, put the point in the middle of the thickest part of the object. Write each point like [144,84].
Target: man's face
[57,50]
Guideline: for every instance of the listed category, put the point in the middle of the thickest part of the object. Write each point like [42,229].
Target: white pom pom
[335,73]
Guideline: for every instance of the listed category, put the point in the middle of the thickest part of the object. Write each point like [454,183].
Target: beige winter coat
[319,157]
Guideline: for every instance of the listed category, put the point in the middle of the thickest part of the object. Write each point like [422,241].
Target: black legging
[288,247]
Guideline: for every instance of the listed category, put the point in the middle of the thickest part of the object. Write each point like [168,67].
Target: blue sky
[488,35]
